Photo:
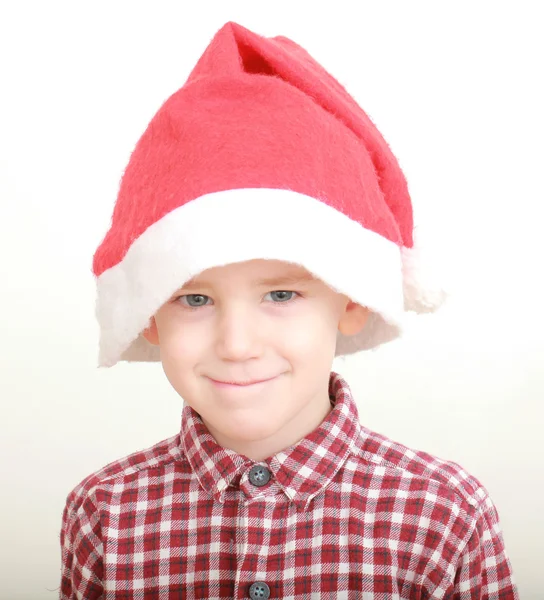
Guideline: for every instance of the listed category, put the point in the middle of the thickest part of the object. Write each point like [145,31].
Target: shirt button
[259,590]
[259,476]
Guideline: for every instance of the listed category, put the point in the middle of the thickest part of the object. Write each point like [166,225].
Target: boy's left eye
[282,297]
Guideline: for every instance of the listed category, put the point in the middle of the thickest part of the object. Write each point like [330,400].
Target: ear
[151,333]
[353,319]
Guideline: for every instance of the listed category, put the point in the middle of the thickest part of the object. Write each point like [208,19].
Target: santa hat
[261,154]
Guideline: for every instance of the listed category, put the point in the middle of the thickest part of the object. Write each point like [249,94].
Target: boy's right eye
[199,300]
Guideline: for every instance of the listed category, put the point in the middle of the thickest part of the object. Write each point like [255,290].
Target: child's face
[228,326]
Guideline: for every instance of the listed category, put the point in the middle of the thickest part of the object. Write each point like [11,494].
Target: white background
[455,88]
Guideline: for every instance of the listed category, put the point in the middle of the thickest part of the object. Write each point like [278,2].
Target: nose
[238,334]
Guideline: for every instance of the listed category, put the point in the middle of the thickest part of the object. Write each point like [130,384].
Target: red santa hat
[261,154]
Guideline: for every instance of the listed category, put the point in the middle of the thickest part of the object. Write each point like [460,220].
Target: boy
[263,227]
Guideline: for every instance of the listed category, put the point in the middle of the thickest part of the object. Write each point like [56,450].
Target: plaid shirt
[346,514]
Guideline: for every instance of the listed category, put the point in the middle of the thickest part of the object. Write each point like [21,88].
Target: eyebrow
[269,281]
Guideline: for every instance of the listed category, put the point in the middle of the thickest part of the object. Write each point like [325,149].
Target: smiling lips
[239,383]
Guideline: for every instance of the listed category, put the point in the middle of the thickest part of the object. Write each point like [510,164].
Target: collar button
[259,475]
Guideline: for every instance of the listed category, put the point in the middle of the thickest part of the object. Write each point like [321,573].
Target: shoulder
[440,476]
[433,512]
[127,471]
[415,494]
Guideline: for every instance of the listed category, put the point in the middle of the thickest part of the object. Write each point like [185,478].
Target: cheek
[181,340]
[310,335]
[180,349]
[178,364]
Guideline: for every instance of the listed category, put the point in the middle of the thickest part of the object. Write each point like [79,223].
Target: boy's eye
[198,300]
[281,295]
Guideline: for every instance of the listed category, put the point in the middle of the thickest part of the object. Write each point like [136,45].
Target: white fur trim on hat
[243,224]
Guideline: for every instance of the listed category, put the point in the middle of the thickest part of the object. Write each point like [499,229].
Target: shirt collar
[301,470]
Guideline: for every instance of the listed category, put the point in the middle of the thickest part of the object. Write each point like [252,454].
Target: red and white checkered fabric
[347,514]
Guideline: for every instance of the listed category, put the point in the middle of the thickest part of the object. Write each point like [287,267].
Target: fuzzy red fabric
[259,112]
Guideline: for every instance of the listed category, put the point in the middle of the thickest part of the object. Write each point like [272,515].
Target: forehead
[257,272]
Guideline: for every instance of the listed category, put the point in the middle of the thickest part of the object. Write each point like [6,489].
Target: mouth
[239,384]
